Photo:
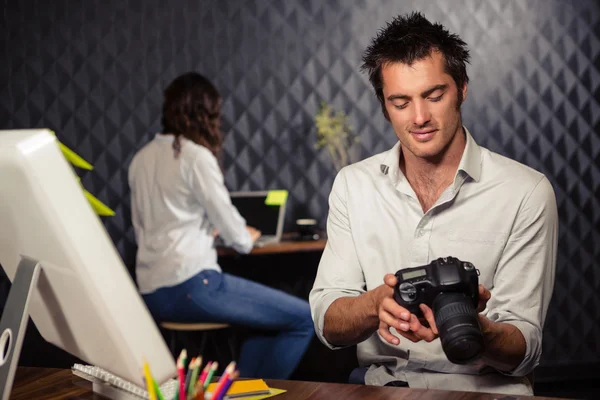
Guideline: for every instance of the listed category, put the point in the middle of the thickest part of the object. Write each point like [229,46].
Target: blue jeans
[218,297]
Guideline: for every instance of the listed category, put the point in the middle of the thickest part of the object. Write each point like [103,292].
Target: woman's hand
[254,233]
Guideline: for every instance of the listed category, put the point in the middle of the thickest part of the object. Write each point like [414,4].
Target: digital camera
[449,287]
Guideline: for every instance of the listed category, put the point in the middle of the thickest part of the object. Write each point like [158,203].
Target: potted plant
[336,134]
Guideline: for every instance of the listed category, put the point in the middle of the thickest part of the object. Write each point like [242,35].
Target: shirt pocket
[482,248]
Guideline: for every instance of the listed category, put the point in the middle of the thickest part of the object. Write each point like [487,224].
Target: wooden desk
[291,267]
[52,383]
[288,244]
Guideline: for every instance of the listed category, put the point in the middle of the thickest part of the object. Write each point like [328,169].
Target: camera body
[444,275]
[450,287]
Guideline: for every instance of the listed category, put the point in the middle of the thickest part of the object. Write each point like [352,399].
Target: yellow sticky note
[73,157]
[276,197]
[244,386]
[248,389]
[99,207]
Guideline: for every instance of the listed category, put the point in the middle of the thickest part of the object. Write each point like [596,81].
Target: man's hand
[484,297]
[391,314]
[254,233]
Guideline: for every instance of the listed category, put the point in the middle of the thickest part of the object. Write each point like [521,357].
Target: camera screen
[414,274]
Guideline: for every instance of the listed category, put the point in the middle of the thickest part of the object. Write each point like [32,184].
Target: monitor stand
[14,322]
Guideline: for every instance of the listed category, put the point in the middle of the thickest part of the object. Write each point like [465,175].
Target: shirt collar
[390,164]
[471,158]
[470,161]
[164,136]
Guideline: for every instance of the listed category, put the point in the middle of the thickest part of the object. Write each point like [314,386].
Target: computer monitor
[85,301]
[267,218]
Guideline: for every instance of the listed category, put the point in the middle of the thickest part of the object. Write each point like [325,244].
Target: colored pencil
[234,375]
[181,374]
[188,375]
[223,381]
[194,378]
[157,390]
[204,373]
[213,368]
[148,379]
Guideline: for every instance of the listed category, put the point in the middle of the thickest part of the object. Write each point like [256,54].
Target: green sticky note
[73,157]
[276,197]
[99,207]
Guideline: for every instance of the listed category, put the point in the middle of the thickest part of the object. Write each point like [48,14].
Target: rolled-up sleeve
[207,183]
[524,278]
[339,273]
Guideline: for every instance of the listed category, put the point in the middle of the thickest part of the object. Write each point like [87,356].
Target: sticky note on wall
[276,197]
[73,157]
[99,207]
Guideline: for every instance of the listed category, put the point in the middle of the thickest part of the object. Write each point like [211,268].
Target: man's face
[422,104]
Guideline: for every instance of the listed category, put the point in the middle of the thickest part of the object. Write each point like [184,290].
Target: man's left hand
[426,329]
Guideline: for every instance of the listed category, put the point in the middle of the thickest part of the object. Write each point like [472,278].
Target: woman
[179,202]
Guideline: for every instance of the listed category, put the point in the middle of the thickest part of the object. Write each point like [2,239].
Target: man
[436,193]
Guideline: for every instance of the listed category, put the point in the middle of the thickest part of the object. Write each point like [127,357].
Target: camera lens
[458,327]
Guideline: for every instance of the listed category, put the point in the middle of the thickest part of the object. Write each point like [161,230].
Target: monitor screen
[85,301]
[252,207]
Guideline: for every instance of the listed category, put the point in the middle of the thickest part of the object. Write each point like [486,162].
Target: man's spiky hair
[409,38]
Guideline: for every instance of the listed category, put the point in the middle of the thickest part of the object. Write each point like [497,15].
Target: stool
[205,327]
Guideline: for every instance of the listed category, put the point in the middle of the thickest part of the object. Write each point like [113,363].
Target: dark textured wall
[94,71]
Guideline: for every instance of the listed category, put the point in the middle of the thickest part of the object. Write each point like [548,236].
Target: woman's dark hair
[411,38]
[192,109]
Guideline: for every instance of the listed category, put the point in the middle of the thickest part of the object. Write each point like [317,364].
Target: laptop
[265,217]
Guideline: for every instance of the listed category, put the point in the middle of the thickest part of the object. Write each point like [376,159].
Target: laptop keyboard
[267,239]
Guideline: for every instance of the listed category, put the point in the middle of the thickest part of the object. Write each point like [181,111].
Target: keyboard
[264,240]
[115,388]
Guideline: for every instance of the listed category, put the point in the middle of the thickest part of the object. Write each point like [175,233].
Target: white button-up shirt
[176,203]
[498,214]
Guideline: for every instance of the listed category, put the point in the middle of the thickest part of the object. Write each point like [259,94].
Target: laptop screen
[265,218]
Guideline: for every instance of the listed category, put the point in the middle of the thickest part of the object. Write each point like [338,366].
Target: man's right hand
[391,314]
[350,320]
[254,233]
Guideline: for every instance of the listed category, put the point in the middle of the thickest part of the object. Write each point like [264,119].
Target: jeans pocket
[205,282]
[202,295]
